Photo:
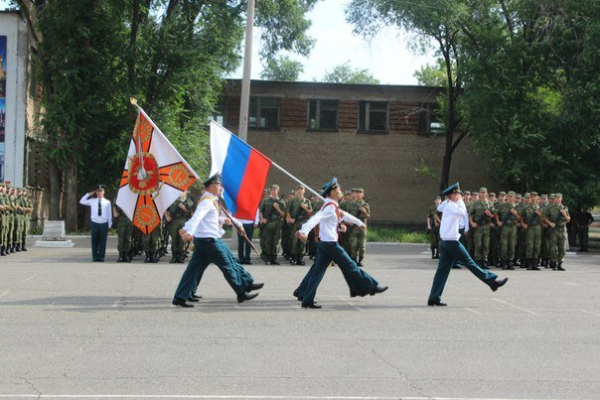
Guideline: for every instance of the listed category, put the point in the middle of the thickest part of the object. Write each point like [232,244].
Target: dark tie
[99,207]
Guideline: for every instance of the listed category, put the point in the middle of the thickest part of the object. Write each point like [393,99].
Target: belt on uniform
[206,240]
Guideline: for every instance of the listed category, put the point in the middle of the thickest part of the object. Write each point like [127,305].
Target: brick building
[379,137]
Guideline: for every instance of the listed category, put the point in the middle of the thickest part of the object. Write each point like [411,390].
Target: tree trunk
[54,213]
[72,199]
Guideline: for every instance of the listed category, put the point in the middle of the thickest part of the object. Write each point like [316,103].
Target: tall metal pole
[245,100]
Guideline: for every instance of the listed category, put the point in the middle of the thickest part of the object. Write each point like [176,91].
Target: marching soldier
[480,222]
[124,228]
[272,213]
[506,219]
[316,204]
[557,218]
[299,211]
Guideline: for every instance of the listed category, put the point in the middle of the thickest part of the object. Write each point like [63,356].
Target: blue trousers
[99,234]
[243,246]
[359,282]
[451,252]
[207,251]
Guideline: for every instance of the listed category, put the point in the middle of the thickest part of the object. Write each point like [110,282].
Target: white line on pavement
[30,278]
[473,311]
[516,307]
[4,293]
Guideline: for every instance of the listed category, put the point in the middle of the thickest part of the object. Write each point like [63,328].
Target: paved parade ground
[70,328]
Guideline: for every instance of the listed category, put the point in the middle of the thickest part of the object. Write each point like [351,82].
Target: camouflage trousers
[556,243]
[533,242]
[508,242]
[481,242]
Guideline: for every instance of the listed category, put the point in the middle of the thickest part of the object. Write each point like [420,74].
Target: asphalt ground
[70,328]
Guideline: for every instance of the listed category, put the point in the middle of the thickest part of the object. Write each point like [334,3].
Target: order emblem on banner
[144,178]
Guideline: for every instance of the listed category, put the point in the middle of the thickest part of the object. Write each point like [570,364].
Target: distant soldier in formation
[124,228]
[557,217]
[584,220]
[433,227]
[480,219]
[298,212]
[272,213]
[507,218]
[177,214]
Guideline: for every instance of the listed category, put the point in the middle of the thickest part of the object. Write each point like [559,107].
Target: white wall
[15,30]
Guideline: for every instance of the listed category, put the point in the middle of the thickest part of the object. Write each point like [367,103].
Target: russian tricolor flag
[243,169]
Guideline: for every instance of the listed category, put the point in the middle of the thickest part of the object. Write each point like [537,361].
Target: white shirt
[453,216]
[106,215]
[328,222]
[206,221]
[464,224]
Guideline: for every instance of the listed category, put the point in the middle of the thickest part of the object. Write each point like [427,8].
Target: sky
[386,55]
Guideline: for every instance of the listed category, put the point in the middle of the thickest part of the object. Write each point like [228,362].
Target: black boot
[175,258]
[531,265]
[156,257]
[433,254]
[509,265]
[12,249]
[359,263]
[2,251]
[274,261]
[300,261]
[560,267]
[18,247]
[121,257]
[148,258]
[503,264]
[553,266]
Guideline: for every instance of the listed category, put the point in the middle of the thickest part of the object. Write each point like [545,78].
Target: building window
[373,116]
[264,113]
[429,124]
[322,115]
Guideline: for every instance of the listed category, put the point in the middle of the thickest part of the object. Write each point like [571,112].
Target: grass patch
[396,235]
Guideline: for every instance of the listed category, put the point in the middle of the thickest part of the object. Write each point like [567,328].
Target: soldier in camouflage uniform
[272,212]
[177,214]
[532,224]
[521,202]
[507,218]
[3,220]
[557,217]
[545,252]
[470,246]
[480,222]
[10,245]
[356,236]
[299,211]
[494,254]
[28,206]
[286,229]
[433,228]
[124,228]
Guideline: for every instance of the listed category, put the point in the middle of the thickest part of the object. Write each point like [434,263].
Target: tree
[344,73]
[531,95]
[438,20]
[169,54]
[282,69]
[432,75]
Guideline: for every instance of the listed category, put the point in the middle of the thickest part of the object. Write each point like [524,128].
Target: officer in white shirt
[328,249]
[453,212]
[204,228]
[101,215]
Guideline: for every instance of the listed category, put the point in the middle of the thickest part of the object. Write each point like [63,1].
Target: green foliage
[282,69]
[390,235]
[344,73]
[168,54]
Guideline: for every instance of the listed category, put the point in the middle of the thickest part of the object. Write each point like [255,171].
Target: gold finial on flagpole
[133,101]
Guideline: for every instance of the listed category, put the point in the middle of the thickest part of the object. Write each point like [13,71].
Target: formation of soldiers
[132,242]
[280,219]
[15,209]
[510,229]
